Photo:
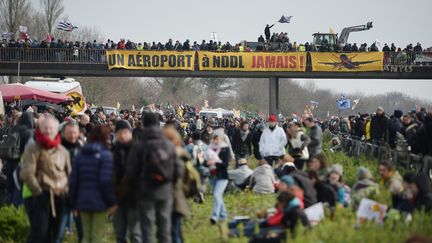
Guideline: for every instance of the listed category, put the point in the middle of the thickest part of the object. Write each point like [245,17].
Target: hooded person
[218,155]
[24,129]
[125,219]
[256,136]
[364,187]
[378,126]
[395,129]
[273,141]
[152,169]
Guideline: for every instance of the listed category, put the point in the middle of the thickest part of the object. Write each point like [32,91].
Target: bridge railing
[62,55]
[68,55]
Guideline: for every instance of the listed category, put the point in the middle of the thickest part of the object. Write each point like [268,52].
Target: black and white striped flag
[66,26]
[285,19]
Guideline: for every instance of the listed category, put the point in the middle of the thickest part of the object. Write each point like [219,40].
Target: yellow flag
[118,105]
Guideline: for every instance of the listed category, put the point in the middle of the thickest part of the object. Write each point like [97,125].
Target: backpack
[191,180]
[157,164]
[10,146]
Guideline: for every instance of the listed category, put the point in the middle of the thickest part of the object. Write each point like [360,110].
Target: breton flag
[285,19]
[66,26]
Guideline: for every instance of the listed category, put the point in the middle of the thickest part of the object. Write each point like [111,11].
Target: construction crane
[331,39]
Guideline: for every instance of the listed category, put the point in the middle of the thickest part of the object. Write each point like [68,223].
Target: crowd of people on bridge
[140,167]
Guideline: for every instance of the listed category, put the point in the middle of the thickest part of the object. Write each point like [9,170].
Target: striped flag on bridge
[66,26]
[285,19]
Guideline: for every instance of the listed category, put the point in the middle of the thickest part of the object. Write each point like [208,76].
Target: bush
[14,225]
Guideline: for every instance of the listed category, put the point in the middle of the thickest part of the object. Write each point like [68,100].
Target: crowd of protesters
[402,132]
[140,167]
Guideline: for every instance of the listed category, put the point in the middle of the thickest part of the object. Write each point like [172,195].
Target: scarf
[45,141]
[244,134]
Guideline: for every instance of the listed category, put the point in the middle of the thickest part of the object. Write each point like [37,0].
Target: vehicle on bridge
[332,39]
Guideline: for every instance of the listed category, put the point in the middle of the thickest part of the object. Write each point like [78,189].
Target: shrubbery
[14,225]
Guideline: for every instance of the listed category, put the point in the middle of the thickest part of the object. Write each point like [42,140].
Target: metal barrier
[355,148]
[62,55]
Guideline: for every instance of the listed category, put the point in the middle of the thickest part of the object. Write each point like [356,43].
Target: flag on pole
[355,102]
[344,104]
[23,28]
[66,26]
[7,35]
[285,19]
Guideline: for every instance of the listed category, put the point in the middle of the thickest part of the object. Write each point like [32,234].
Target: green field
[197,228]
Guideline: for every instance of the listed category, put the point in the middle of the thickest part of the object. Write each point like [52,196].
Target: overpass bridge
[95,62]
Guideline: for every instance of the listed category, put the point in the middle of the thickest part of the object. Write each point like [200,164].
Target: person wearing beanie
[378,126]
[395,129]
[363,188]
[151,168]
[273,141]
[335,179]
[125,219]
[287,183]
[256,136]
[240,176]
[263,179]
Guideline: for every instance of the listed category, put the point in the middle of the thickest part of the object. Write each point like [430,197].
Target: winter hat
[260,126]
[363,173]
[380,108]
[272,118]
[337,168]
[150,119]
[122,124]
[398,113]
[288,180]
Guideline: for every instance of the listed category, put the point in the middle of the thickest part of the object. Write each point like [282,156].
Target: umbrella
[13,92]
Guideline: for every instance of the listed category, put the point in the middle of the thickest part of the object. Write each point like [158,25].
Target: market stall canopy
[12,92]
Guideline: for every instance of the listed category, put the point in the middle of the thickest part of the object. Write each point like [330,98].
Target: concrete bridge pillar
[274,95]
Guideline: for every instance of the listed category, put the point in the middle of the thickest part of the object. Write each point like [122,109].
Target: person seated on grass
[390,179]
[288,184]
[335,179]
[417,193]
[319,164]
[267,218]
[364,187]
[240,176]
[285,166]
[263,179]
[325,192]
[292,215]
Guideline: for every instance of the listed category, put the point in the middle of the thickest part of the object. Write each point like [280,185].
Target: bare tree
[51,10]
[12,13]
[215,88]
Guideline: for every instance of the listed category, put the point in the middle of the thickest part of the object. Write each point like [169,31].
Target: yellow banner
[252,61]
[150,60]
[347,62]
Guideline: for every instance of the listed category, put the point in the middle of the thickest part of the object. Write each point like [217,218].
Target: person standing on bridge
[267,31]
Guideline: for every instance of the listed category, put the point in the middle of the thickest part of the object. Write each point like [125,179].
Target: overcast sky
[398,21]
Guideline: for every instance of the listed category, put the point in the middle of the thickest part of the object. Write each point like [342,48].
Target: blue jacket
[91,188]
